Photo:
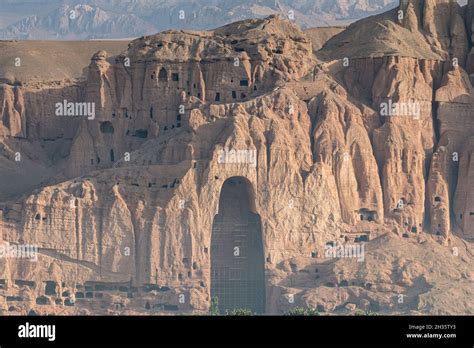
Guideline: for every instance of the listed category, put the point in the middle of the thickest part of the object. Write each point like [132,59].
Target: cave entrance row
[237,257]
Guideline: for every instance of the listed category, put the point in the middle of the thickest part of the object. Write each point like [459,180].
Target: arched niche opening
[237,255]
[163,75]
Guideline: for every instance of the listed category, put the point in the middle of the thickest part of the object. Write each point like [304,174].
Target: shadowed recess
[237,261]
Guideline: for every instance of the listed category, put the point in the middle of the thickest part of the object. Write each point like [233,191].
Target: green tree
[302,311]
[214,310]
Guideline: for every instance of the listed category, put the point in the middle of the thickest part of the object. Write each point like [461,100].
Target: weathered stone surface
[463,204]
[127,200]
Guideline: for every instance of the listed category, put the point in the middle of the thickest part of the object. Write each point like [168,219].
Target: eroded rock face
[13,123]
[170,73]
[128,198]
[342,142]
[454,100]
[470,29]
[440,22]
[463,206]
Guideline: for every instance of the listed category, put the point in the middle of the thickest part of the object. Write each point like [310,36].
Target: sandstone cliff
[127,201]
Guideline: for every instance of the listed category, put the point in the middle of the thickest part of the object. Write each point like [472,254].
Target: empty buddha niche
[237,261]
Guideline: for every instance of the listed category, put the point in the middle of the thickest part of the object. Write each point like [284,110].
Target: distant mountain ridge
[100,19]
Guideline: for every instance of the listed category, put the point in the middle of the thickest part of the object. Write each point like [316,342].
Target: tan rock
[131,200]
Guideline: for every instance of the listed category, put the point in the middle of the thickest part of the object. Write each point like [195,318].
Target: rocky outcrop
[342,142]
[463,206]
[155,91]
[441,22]
[454,112]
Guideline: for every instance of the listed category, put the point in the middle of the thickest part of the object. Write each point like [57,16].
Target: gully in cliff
[85,109]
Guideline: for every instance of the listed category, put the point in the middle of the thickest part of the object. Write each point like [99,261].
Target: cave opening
[163,75]
[106,127]
[367,215]
[141,133]
[237,255]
